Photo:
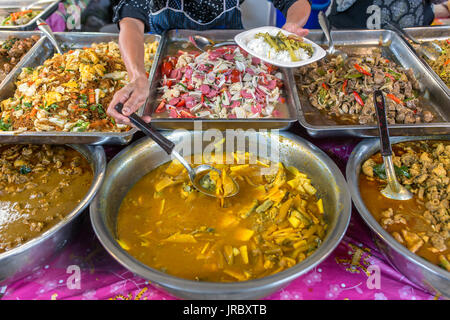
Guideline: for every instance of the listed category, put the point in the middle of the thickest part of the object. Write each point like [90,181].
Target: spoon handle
[325,25]
[380,107]
[402,32]
[162,141]
[45,28]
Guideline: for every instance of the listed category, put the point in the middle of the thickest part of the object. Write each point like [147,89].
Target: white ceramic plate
[244,37]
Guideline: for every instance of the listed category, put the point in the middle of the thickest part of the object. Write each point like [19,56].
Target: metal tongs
[394,190]
[428,49]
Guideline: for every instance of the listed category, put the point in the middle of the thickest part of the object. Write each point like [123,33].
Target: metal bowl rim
[352,180]
[99,168]
[331,242]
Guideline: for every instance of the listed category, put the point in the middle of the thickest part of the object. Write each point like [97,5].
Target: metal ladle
[393,190]
[326,28]
[45,28]
[195,174]
[428,49]
[202,43]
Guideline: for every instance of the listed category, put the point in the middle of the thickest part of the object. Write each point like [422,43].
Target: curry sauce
[274,222]
[422,224]
[39,186]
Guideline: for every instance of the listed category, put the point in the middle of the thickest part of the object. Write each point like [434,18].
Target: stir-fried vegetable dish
[344,89]
[222,83]
[273,223]
[39,186]
[69,92]
[18,18]
[422,224]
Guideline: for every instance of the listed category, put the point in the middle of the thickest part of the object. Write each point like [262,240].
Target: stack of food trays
[23,14]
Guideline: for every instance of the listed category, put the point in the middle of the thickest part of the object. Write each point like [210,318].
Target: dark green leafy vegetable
[380,171]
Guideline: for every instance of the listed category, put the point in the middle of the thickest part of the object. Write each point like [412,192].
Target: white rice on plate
[261,47]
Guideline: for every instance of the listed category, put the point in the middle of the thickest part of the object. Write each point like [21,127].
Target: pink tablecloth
[343,275]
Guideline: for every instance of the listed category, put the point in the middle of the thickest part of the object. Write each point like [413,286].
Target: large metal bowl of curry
[144,155]
[21,260]
[425,274]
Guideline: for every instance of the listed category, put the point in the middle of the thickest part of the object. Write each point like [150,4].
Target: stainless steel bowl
[141,157]
[423,273]
[19,261]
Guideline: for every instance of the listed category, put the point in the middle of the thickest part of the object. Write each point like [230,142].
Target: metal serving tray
[318,125]
[426,34]
[47,7]
[4,35]
[45,50]
[221,124]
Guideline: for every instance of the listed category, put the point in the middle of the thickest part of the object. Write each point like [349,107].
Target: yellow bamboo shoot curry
[273,223]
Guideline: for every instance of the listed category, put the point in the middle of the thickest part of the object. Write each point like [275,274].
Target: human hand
[295,28]
[132,96]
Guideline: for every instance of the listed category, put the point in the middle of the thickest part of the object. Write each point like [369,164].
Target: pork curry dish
[273,223]
[422,224]
[39,186]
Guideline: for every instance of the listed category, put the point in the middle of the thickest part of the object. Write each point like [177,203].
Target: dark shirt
[160,15]
[373,14]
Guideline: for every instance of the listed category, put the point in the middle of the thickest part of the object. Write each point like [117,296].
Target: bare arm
[297,16]
[133,95]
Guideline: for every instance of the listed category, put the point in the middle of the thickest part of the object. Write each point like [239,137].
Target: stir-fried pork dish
[344,89]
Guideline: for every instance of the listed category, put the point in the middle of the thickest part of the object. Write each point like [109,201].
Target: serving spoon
[429,49]
[45,28]
[195,174]
[326,28]
[393,190]
[202,43]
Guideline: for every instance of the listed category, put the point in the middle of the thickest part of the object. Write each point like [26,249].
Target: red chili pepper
[203,98]
[395,99]
[448,41]
[330,71]
[235,76]
[161,106]
[390,76]
[447,62]
[361,69]
[181,103]
[325,86]
[358,98]
[344,86]
[166,68]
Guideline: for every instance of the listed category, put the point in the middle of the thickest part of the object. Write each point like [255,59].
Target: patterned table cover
[343,275]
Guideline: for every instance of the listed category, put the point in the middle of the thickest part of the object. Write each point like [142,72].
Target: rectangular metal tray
[221,124]
[4,35]
[47,7]
[45,50]
[395,49]
[426,34]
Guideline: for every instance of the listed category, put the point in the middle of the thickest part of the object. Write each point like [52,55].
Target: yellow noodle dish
[274,222]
